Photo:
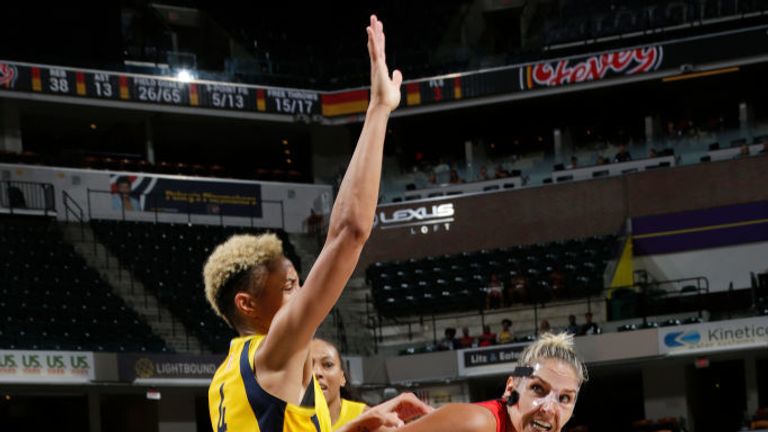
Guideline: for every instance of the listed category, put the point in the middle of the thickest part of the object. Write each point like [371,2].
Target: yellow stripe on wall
[700,229]
[625,270]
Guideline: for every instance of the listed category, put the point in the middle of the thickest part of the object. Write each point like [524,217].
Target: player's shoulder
[472,417]
[494,413]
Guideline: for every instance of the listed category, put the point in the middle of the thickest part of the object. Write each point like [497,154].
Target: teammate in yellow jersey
[266,382]
[334,382]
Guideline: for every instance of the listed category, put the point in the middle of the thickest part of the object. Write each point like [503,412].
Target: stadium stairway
[346,327]
[354,317]
[130,289]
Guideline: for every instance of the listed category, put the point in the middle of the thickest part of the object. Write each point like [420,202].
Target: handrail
[375,321]
[16,195]
[701,284]
[70,205]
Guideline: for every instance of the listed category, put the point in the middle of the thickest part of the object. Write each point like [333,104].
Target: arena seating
[458,282]
[51,300]
[168,259]
[121,163]
[582,20]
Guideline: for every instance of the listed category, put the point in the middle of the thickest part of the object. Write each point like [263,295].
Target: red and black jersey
[499,410]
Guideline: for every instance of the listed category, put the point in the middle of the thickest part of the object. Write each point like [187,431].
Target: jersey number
[222,426]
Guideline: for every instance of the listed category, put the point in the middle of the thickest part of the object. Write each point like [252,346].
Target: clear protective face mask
[565,402]
[543,394]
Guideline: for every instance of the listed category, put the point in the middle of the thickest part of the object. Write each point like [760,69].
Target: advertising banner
[549,71]
[714,337]
[489,360]
[168,368]
[169,195]
[48,367]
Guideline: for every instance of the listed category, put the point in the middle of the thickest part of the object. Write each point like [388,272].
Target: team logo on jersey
[8,75]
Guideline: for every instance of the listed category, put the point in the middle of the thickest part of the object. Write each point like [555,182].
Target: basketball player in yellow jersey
[266,382]
[331,375]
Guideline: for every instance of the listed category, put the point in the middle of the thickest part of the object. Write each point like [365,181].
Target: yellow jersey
[236,401]
[349,411]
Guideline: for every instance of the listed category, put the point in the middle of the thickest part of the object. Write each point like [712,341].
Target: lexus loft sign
[417,220]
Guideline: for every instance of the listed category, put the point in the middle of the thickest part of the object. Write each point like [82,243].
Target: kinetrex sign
[420,220]
[714,336]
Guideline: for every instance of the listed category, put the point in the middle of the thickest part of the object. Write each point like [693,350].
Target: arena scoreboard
[60,81]
[699,55]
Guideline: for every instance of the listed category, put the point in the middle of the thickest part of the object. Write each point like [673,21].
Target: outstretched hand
[385,91]
[389,415]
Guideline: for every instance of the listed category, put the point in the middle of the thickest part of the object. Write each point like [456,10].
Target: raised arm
[351,219]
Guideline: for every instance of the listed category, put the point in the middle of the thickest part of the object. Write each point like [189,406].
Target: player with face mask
[540,395]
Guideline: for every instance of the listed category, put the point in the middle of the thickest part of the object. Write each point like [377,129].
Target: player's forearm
[359,191]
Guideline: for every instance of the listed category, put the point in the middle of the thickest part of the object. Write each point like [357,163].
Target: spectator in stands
[253,287]
[454,177]
[494,296]
[544,327]
[449,341]
[623,154]
[589,328]
[334,380]
[519,289]
[483,176]
[572,328]
[441,167]
[743,151]
[652,153]
[764,150]
[501,172]
[557,282]
[601,160]
[506,335]
[122,198]
[432,179]
[466,340]
[539,398]
[488,338]
[16,197]
[574,163]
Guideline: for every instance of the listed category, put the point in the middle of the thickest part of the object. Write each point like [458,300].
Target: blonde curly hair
[240,254]
[555,346]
